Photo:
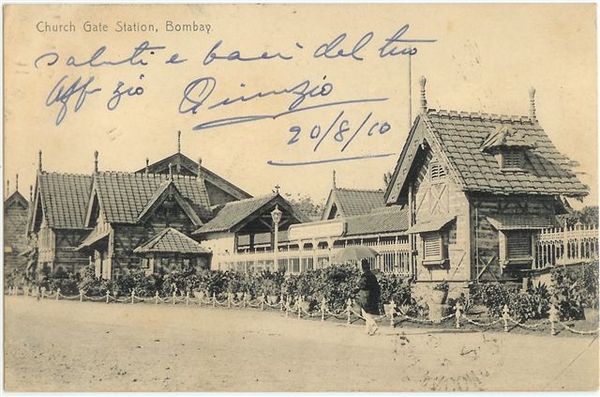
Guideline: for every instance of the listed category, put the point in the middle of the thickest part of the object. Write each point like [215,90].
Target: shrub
[574,288]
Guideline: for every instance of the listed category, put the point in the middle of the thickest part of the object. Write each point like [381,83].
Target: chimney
[178,141]
[532,115]
[95,161]
[147,164]
[423,82]
[40,161]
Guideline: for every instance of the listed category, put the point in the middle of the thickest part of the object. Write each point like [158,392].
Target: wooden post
[323,303]
[107,295]
[392,312]
[187,298]
[553,317]
[262,302]
[156,298]
[132,296]
[348,309]
[281,301]
[57,293]
[80,295]
[287,307]
[299,303]
[229,300]
[457,314]
[43,292]
[174,292]
[505,317]
[214,299]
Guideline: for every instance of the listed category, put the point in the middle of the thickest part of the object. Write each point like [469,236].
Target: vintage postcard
[300,197]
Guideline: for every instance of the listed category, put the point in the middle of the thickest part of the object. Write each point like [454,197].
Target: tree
[588,215]
[306,205]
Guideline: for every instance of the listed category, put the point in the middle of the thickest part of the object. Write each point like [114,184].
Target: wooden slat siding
[65,255]
[488,242]
[435,200]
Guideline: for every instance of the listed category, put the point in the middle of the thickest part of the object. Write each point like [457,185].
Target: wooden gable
[169,207]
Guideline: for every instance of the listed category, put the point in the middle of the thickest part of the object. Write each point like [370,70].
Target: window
[437,172]
[513,159]
[518,245]
[434,250]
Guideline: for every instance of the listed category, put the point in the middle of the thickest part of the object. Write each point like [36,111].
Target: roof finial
[40,161]
[17,182]
[333,180]
[7,188]
[532,115]
[179,141]
[31,193]
[423,82]
[199,165]
[95,161]
[277,187]
[170,171]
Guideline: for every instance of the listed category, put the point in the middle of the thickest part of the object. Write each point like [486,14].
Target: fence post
[457,314]
[132,296]
[107,295]
[553,317]
[262,302]
[187,298]
[505,317]
[229,294]
[43,292]
[80,295]
[348,309]
[287,307]
[281,301]
[174,292]
[299,303]
[392,312]
[214,300]
[57,293]
[323,303]
[156,298]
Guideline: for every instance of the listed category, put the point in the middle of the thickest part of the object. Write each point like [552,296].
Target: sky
[475,57]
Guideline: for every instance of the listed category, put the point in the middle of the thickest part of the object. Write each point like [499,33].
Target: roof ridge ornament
[40,161]
[333,180]
[532,114]
[423,82]
[147,165]
[17,182]
[31,193]
[179,141]
[96,161]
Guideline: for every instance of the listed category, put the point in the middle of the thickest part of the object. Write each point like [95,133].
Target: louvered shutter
[436,171]
[518,245]
[432,246]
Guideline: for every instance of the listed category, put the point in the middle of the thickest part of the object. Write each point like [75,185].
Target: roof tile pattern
[461,136]
[124,196]
[358,202]
[234,212]
[171,240]
[380,221]
[64,198]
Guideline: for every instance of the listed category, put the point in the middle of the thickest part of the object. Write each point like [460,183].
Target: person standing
[368,296]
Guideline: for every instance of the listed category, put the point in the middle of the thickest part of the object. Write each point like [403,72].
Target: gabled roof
[61,199]
[16,199]
[171,241]
[459,137]
[191,168]
[379,221]
[168,187]
[350,202]
[234,213]
[124,196]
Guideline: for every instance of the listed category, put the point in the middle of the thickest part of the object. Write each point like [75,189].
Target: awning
[431,226]
[520,222]
[93,237]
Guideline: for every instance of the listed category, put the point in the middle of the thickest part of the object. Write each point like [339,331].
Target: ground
[73,346]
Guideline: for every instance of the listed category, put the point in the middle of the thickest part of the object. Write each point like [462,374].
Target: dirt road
[73,346]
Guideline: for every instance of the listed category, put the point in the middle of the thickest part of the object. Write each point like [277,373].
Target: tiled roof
[123,196]
[236,211]
[380,221]
[352,202]
[64,199]
[521,222]
[171,241]
[181,160]
[461,136]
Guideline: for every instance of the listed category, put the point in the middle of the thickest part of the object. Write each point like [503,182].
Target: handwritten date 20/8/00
[340,129]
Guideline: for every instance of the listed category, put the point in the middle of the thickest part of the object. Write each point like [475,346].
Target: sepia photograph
[300,198]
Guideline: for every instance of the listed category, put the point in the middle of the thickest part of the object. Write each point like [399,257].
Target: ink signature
[63,91]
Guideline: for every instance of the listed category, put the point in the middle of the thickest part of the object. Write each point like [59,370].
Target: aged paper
[297,102]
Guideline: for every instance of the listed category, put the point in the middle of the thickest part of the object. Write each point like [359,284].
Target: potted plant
[440,293]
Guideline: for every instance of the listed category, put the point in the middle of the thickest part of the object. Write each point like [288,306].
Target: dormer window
[509,147]
[437,172]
